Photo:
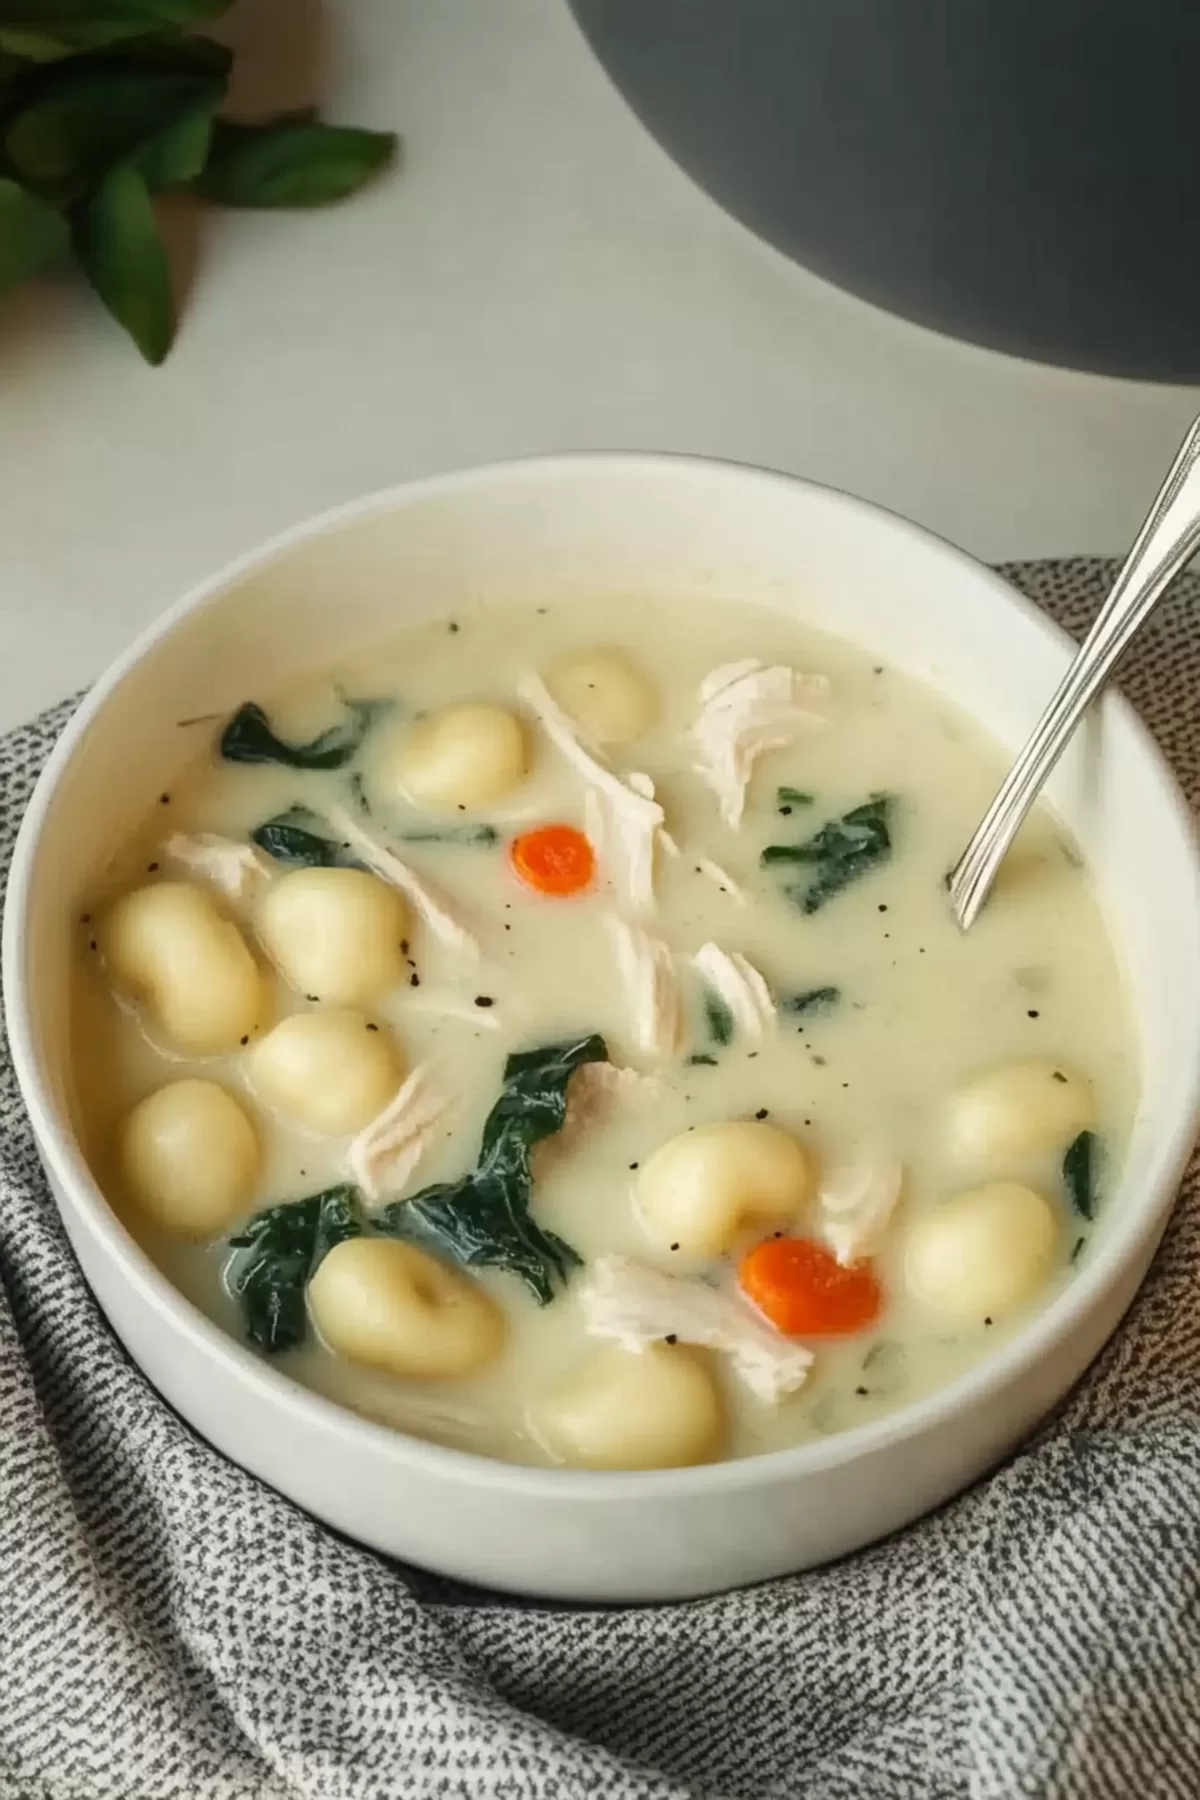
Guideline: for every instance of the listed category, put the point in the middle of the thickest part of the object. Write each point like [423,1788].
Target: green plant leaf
[291,162]
[64,139]
[178,154]
[290,839]
[32,234]
[119,247]
[248,738]
[1079,1174]
[45,30]
[286,1243]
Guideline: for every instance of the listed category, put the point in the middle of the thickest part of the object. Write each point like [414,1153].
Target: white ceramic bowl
[554,528]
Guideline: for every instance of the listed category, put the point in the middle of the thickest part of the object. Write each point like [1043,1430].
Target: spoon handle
[1168,539]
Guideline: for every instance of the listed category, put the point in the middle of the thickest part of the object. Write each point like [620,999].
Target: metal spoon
[1168,539]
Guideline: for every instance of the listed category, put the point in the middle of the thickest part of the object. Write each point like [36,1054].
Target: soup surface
[781,1151]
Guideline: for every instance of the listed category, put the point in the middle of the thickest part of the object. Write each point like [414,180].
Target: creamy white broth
[921,1007]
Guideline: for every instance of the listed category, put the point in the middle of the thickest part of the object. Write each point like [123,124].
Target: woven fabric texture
[171,1630]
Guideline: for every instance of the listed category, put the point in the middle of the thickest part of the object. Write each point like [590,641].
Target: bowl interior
[581,526]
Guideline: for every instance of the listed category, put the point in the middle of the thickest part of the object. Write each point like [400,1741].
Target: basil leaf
[841,852]
[484,1220]
[62,139]
[32,234]
[119,248]
[248,738]
[291,162]
[177,154]
[45,30]
[286,1245]
[812,1001]
[289,841]
[1079,1174]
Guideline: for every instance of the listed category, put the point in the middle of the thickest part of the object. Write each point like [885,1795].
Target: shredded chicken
[647,968]
[738,983]
[388,865]
[857,1202]
[238,870]
[746,709]
[622,817]
[599,1089]
[382,1157]
[453,1006]
[637,1305]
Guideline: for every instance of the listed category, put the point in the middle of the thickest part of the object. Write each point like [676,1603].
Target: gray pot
[1024,173]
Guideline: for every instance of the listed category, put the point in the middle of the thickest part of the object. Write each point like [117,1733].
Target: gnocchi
[391,1305]
[189,1158]
[335,934]
[329,1072]
[1014,1111]
[187,966]
[656,1408]
[701,1190]
[981,1256]
[463,757]
[605,692]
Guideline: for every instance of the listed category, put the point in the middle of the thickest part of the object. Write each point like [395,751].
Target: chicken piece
[635,1305]
[857,1202]
[738,983]
[745,710]
[621,815]
[387,864]
[381,1159]
[647,968]
[237,870]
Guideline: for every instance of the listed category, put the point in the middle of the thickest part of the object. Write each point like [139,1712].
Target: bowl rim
[79,1193]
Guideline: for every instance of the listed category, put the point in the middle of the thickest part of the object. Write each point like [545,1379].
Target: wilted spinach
[718,1018]
[790,796]
[484,1219]
[480,836]
[289,838]
[1079,1174]
[840,853]
[815,1000]
[248,738]
[286,1243]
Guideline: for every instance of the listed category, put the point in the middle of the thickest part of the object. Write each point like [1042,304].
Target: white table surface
[537,276]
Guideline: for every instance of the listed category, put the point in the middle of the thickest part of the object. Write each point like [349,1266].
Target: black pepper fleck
[988,1320]
[761,1113]
[819,1061]
[371,1027]
[674,1246]
[91,944]
[1033,1013]
[484,1000]
[244,1040]
[882,906]
[862,1391]
[85,918]
[315,998]
[151,867]
[164,799]
[404,946]
[671,1338]
[1059,1076]
[633,1165]
[786,811]
[414,979]
[507,926]
[452,628]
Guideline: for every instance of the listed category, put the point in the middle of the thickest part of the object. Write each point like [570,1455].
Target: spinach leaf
[484,1219]
[841,852]
[1079,1174]
[698,1060]
[32,234]
[123,256]
[46,30]
[815,1000]
[248,738]
[482,835]
[718,1018]
[291,161]
[286,1243]
[289,840]
[790,796]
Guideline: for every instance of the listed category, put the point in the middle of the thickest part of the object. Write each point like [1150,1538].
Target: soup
[548,1035]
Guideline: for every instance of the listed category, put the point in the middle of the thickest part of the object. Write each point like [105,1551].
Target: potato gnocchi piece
[393,1306]
[335,934]
[702,1189]
[463,756]
[187,967]
[982,1255]
[330,1072]
[1015,1111]
[189,1158]
[605,693]
[637,1305]
[656,1408]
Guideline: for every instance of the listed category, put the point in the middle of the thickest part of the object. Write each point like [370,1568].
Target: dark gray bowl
[1023,173]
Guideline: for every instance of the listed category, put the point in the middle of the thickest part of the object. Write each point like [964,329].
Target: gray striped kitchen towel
[171,1630]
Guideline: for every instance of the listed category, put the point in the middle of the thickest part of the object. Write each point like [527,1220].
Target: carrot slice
[806,1292]
[554,859]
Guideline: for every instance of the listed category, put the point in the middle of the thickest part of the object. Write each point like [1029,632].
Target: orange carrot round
[806,1292]
[554,859]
